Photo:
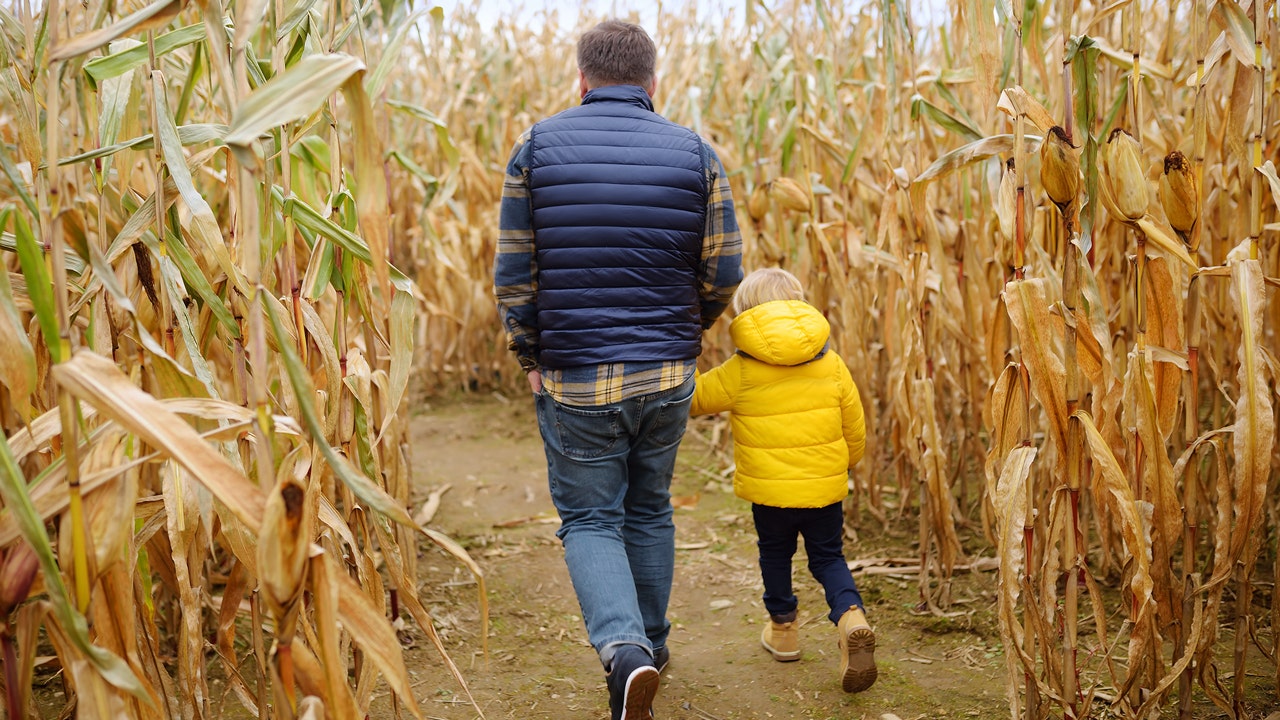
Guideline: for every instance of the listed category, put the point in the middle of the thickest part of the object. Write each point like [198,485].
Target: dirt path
[540,665]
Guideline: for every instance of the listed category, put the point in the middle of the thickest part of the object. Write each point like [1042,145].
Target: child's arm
[855,429]
[716,388]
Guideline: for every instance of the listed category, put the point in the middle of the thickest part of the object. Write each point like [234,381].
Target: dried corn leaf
[1112,491]
[1009,499]
[1164,329]
[1115,497]
[153,16]
[371,632]
[1254,436]
[96,380]
[325,603]
[94,695]
[1239,30]
[371,179]
[402,318]
[365,489]
[1016,101]
[1029,313]
[17,357]
[233,593]
[940,504]
[1006,420]
[188,551]
[1157,478]
[1161,236]
[970,153]
[115,499]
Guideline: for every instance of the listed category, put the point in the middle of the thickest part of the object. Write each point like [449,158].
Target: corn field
[240,239]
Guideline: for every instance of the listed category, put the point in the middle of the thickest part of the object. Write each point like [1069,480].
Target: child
[797,429]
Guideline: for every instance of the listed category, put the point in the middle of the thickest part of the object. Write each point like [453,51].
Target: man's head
[616,53]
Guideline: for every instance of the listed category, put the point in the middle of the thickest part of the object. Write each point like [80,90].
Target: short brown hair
[766,285]
[617,53]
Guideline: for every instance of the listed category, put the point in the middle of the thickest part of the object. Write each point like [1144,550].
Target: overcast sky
[646,11]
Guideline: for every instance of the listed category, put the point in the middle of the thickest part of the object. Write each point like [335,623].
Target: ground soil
[487,451]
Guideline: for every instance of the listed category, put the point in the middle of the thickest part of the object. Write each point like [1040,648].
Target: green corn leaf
[171,276]
[295,17]
[291,95]
[923,108]
[1083,56]
[307,217]
[136,54]
[198,281]
[39,285]
[194,134]
[319,271]
[203,224]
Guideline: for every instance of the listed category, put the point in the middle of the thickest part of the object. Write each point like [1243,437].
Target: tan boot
[782,640]
[857,651]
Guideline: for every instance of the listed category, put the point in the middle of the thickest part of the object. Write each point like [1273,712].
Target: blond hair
[765,285]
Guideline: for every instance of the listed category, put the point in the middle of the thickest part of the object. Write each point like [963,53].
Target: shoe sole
[858,663]
[779,655]
[641,689]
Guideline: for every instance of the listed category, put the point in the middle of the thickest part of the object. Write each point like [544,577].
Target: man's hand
[535,381]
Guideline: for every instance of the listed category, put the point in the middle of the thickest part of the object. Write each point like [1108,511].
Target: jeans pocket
[586,433]
[673,415]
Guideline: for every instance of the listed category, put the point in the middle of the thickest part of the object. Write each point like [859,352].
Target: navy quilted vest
[619,204]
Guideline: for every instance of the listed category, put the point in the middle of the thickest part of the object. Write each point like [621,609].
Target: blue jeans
[609,469]
[823,532]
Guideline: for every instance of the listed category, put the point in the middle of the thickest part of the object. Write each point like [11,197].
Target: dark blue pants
[823,532]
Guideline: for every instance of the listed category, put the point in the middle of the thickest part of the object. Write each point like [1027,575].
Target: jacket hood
[781,332]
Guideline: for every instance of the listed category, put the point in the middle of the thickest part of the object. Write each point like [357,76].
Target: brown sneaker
[857,651]
[782,639]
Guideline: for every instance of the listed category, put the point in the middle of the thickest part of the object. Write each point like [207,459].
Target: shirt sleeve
[515,269]
[721,269]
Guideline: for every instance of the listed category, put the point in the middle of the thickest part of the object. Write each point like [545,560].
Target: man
[618,246]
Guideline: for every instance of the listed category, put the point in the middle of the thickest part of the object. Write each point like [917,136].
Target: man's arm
[515,270]
[721,269]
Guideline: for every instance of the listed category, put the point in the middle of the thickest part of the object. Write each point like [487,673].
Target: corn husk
[1180,193]
[790,195]
[758,202]
[1122,177]
[1059,168]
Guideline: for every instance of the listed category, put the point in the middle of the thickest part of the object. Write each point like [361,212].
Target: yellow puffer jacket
[796,415]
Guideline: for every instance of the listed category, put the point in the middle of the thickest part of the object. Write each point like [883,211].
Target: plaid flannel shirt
[515,281]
